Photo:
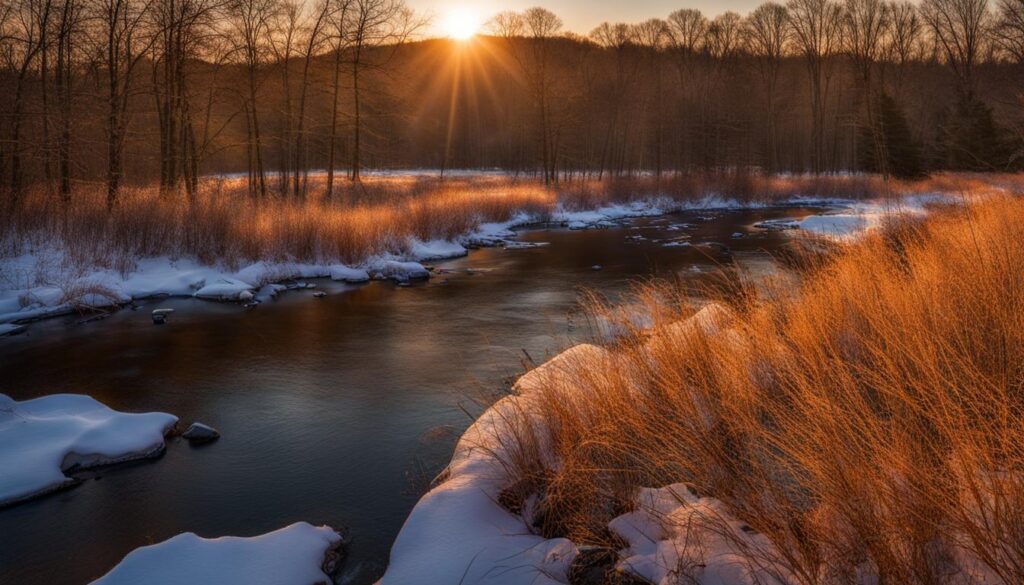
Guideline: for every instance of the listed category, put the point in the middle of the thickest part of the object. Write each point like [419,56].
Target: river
[336,410]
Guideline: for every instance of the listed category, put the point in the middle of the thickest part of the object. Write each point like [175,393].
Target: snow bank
[294,555]
[163,276]
[42,438]
[458,533]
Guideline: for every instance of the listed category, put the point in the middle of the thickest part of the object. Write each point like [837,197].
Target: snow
[43,437]
[225,289]
[293,555]
[399,271]
[675,537]
[436,250]
[458,533]
[346,274]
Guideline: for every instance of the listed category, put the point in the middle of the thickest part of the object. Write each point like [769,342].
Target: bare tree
[250,30]
[817,29]
[315,41]
[866,25]
[338,38]
[184,27]
[26,38]
[375,23]
[67,33]
[540,27]
[905,43]
[688,30]
[1010,29]
[960,28]
[124,42]
[768,35]
[615,38]
[653,36]
[283,43]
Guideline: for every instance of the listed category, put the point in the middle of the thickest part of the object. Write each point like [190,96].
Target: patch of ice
[294,555]
[43,437]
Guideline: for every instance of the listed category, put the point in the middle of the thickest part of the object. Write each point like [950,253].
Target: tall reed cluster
[864,414]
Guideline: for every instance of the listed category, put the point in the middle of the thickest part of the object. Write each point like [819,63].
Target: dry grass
[225,226]
[865,414]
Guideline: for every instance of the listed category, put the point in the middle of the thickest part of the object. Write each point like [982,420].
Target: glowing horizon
[579,16]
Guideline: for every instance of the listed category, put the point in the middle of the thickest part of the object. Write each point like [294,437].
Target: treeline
[117,92]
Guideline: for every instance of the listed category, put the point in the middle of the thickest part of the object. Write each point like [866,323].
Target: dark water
[334,410]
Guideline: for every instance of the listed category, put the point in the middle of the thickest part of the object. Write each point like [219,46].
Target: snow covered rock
[401,271]
[197,432]
[436,250]
[226,289]
[42,438]
[345,274]
[300,554]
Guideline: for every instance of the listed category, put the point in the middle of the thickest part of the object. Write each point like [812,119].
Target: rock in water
[199,433]
[160,316]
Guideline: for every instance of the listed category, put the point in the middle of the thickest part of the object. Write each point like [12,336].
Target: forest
[143,92]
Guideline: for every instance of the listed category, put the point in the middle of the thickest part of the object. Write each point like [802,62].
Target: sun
[462,23]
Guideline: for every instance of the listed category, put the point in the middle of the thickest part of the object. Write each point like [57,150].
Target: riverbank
[857,419]
[228,248]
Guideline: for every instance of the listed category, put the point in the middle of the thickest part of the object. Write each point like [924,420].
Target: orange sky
[579,15]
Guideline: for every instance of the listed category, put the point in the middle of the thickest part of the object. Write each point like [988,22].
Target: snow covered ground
[42,438]
[458,533]
[300,554]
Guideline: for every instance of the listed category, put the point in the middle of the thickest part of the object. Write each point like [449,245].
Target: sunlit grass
[223,225]
[864,415]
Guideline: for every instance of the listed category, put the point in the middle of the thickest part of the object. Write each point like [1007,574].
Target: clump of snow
[399,271]
[294,555]
[436,250]
[42,438]
[345,274]
[225,289]
[675,537]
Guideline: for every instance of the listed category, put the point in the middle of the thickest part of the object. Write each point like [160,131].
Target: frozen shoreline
[41,284]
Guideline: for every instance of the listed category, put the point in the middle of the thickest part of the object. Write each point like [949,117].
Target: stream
[336,410]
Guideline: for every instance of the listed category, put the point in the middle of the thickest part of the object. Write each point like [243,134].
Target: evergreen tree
[970,139]
[890,147]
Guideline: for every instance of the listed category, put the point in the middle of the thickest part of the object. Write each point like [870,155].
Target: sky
[579,16]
